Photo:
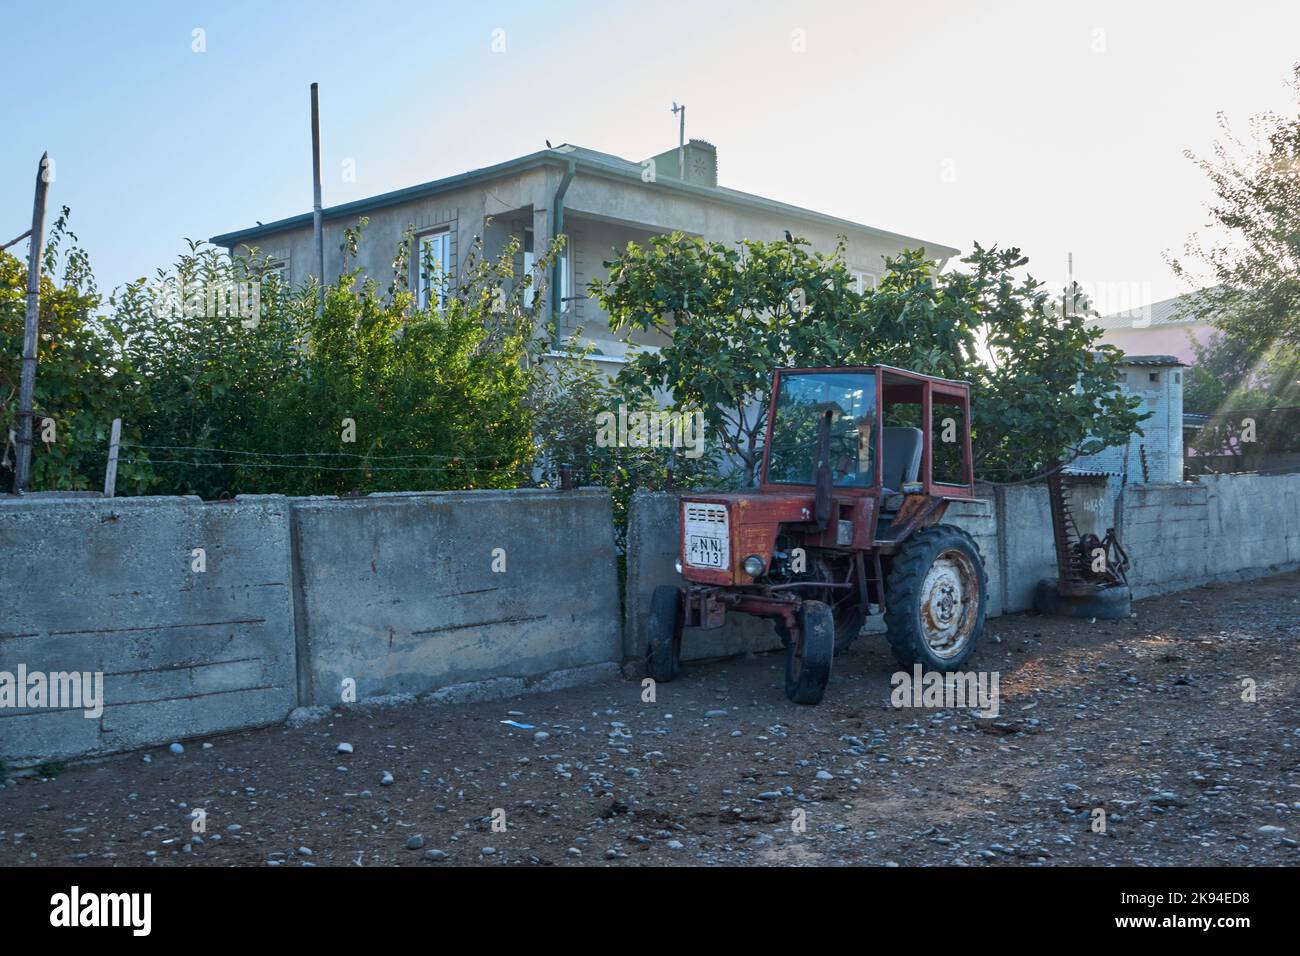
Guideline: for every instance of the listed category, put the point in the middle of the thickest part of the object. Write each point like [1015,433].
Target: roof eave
[557,158]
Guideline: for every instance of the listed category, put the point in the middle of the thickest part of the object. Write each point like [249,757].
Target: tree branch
[14,242]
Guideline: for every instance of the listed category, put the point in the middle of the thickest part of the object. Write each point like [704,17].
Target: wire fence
[540,469]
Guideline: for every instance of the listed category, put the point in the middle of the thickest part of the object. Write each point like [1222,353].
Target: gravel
[1142,719]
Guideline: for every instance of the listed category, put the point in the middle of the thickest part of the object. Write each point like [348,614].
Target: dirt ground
[1142,718]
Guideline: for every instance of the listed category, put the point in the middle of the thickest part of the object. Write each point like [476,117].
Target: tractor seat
[902,458]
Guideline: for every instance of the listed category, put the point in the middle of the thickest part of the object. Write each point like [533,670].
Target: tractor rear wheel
[808,654]
[935,599]
[663,654]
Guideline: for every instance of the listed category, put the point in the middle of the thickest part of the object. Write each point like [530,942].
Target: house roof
[1176,311]
[1169,360]
[586,161]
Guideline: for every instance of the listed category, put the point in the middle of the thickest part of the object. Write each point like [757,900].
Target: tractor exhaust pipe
[822,479]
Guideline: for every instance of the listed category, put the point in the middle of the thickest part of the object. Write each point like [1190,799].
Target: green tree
[570,398]
[1043,388]
[1249,264]
[83,379]
[735,313]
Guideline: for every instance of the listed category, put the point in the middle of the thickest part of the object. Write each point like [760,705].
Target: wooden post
[317,226]
[27,385]
[110,473]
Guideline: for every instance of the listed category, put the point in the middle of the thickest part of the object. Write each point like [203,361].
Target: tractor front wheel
[808,654]
[663,654]
[935,599]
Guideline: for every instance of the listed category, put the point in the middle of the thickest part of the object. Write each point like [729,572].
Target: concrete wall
[1227,527]
[108,585]
[398,592]
[394,591]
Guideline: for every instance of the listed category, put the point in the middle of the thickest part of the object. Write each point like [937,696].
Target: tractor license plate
[707,536]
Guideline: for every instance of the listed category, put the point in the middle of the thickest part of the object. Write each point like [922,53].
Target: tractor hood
[717,532]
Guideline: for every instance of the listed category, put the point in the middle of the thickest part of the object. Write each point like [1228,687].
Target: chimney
[701,163]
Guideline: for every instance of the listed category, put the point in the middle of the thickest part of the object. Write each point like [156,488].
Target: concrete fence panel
[1218,528]
[188,642]
[408,593]
[1164,530]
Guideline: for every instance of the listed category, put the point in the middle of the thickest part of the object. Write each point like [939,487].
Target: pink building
[1161,328]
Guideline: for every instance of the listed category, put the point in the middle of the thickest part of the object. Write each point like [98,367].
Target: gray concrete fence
[210,617]
[109,586]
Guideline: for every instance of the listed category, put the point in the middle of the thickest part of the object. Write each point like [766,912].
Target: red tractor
[859,467]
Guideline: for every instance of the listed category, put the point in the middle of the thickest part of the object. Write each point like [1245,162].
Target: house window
[530,260]
[433,268]
[280,269]
[566,282]
[862,281]
[1155,376]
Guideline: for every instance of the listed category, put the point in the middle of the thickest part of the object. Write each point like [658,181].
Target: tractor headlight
[753,566]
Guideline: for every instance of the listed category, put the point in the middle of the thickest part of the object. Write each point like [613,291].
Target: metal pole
[318,236]
[681,141]
[110,473]
[27,385]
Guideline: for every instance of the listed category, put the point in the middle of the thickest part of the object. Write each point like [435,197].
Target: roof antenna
[1068,310]
[681,140]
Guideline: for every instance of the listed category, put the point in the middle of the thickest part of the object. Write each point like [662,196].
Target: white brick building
[1158,381]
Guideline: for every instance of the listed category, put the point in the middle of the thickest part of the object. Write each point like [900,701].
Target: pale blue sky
[1054,126]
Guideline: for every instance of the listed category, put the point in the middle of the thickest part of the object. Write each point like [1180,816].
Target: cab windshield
[800,403]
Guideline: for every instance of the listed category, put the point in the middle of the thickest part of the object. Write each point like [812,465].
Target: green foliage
[1231,373]
[83,379]
[570,397]
[430,398]
[1043,388]
[735,314]
[1249,262]
[51,768]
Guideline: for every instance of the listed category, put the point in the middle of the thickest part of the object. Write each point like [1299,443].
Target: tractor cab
[859,466]
[889,433]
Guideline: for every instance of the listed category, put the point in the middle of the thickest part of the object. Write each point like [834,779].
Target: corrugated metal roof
[1163,313]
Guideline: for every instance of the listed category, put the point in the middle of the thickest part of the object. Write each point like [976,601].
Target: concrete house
[1168,327]
[599,201]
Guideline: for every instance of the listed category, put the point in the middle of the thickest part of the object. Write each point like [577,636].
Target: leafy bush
[83,378]
[570,399]
[372,394]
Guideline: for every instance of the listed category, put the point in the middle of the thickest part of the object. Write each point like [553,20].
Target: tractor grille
[706,514]
[707,539]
